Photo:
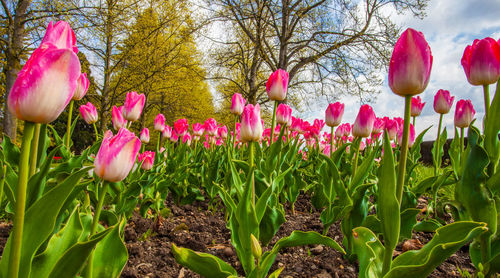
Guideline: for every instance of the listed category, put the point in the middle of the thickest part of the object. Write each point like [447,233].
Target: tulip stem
[95,222]
[331,142]
[273,123]
[158,142]
[404,150]
[462,147]
[486,90]
[356,144]
[96,133]
[68,126]
[234,133]
[34,150]
[437,158]
[251,158]
[22,182]
[387,260]
[414,121]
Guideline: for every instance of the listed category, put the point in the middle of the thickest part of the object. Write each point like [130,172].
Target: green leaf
[492,127]
[437,148]
[408,221]
[39,223]
[454,153]
[429,226]
[446,241]
[415,149]
[110,255]
[202,263]
[36,183]
[11,152]
[362,172]
[369,251]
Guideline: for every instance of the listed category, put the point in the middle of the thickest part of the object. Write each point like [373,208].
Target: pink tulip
[277,85]
[186,139]
[222,132]
[82,87]
[198,129]
[145,135]
[167,132]
[117,118]
[400,121]
[347,129]
[296,124]
[378,126]
[132,108]
[443,101]
[181,126]
[89,113]
[416,106]
[116,156]
[411,138]
[334,113]
[364,122]
[211,126]
[464,113]
[160,122]
[174,138]
[411,64]
[47,82]
[147,158]
[481,62]
[339,132]
[283,114]
[251,125]
[237,104]
[392,127]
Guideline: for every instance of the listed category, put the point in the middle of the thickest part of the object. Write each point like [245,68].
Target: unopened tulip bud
[283,114]
[89,113]
[181,126]
[222,132]
[159,122]
[481,62]
[416,106]
[117,118]
[147,159]
[411,138]
[186,139]
[132,108]
[364,122]
[443,102]
[198,129]
[464,113]
[277,85]
[237,104]
[211,127]
[81,87]
[167,132]
[255,246]
[334,113]
[251,125]
[145,135]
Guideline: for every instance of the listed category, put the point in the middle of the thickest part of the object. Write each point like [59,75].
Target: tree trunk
[107,66]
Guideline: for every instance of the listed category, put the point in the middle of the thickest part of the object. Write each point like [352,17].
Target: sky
[450,25]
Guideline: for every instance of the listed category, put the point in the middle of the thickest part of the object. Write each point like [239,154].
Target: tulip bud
[186,139]
[443,101]
[147,159]
[334,113]
[89,113]
[347,129]
[116,155]
[481,62]
[198,129]
[167,132]
[277,85]
[364,122]
[117,118]
[464,113]
[411,138]
[416,106]
[159,122]
[211,126]
[237,104]
[60,35]
[174,138]
[339,132]
[145,135]
[81,87]
[378,126]
[411,64]
[132,108]
[222,132]
[251,125]
[392,127]
[181,126]
[255,246]
[283,114]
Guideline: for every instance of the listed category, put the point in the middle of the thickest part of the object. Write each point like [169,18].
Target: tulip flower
[443,101]
[296,124]
[276,88]
[237,104]
[174,138]
[364,122]
[181,126]
[339,132]
[411,138]
[186,139]
[464,113]
[167,132]
[251,125]
[410,65]
[117,118]
[392,128]
[222,132]
[334,113]
[416,107]
[160,122]
[144,135]
[132,108]
[147,158]
[60,35]
[211,126]
[82,87]
[378,126]
[116,156]
[198,129]
[347,129]
[89,113]
[283,114]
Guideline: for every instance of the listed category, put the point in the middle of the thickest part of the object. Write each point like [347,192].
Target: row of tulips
[253,170]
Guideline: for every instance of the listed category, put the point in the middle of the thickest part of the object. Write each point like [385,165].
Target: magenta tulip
[334,113]
[144,135]
[181,126]
[61,36]
[411,64]
[277,85]
[211,126]
[159,122]
[174,138]
[82,87]
[464,113]
[116,156]
[132,108]
[222,132]
[378,126]
[198,129]
[167,132]
[283,114]
[251,125]
[416,106]
[411,138]
[186,139]
[481,62]
[237,104]
[147,158]
[443,101]
[364,122]
[89,113]
[117,118]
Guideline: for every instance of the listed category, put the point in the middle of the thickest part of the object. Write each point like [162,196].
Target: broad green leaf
[429,226]
[408,221]
[362,172]
[492,127]
[11,152]
[369,251]
[202,263]
[36,183]
[110,255]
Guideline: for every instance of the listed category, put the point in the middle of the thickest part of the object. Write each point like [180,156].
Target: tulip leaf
[39,223]
[369,251]
[202,263]
[36,183]
[446,241]
[110,255]
[362,172]
[415,149]
[437,148]
[492,127]
[408,221]
[454,153]
[11,152]
[430,225]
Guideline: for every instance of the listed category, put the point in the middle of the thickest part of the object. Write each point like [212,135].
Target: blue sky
[450,25]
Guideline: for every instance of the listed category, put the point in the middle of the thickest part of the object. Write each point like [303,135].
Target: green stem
[404,150]
[34,150]
[485,241]
[355,165]
[2,182]
[273,122]
[486,93]
[462,146]
[96,133]
[437,158]
[414,121]
[251,158]
[95,222]
[387,260]
[22,183]
[68,126]
[331,141]
[234,133]
[158,143]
